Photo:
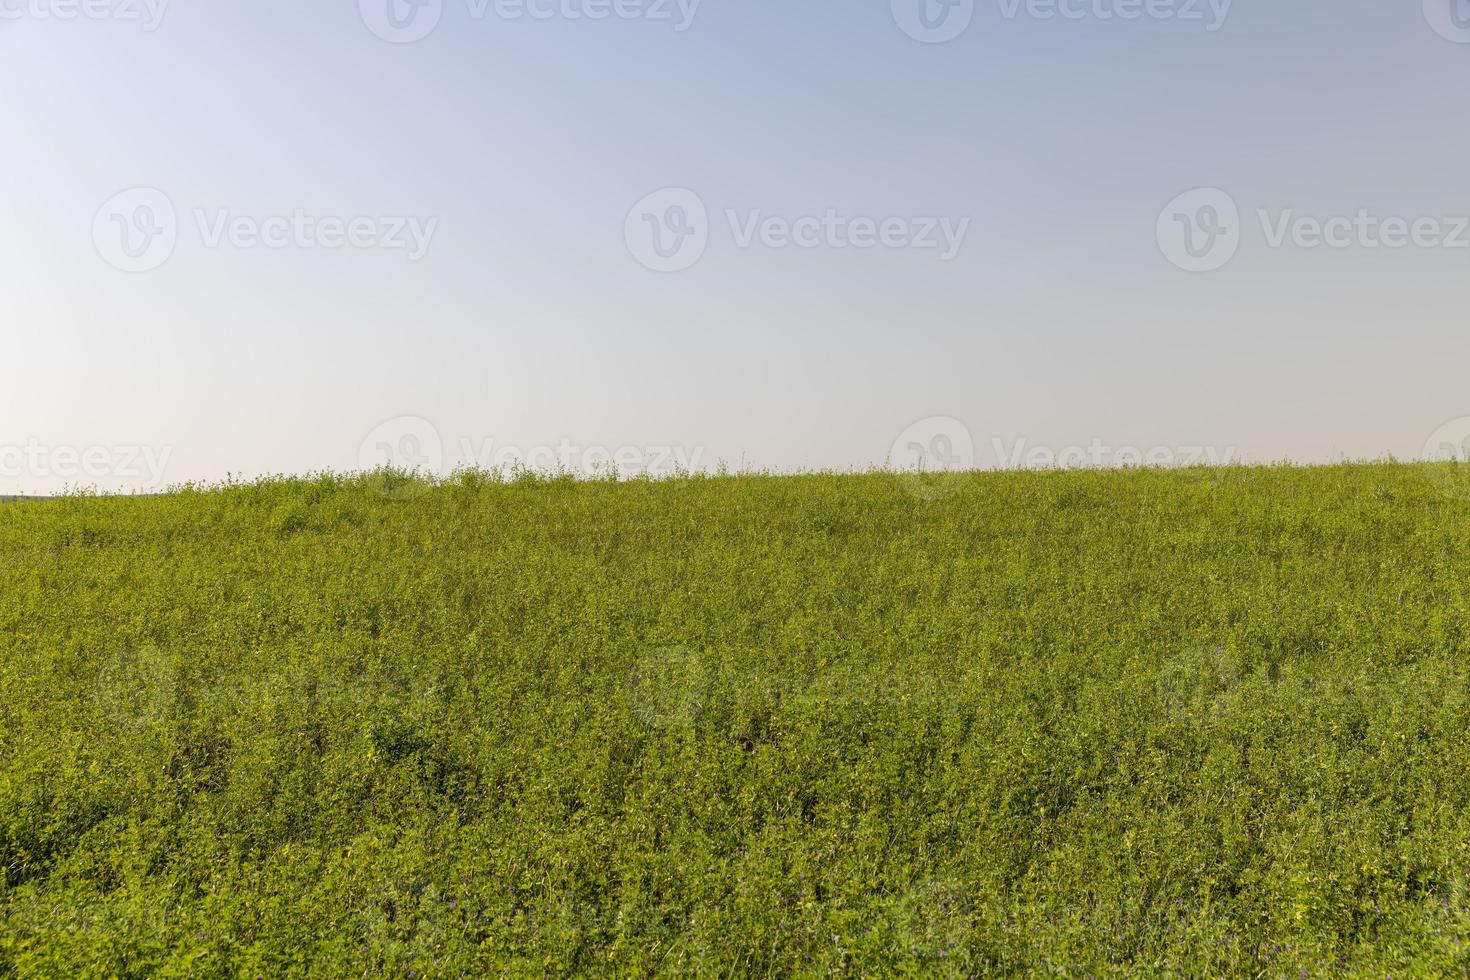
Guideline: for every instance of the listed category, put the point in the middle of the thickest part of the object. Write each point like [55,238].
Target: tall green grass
[1195,722]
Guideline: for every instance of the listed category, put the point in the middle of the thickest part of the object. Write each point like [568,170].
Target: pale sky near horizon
[271,237]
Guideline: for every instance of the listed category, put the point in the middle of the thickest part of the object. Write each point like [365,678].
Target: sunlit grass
[1207,722]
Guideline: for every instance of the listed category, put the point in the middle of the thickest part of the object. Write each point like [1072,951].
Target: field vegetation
[1190,722]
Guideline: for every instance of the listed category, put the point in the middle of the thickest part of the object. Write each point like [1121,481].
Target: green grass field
[1199,722]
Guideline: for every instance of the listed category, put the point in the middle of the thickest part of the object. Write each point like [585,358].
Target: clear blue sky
[520,144]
